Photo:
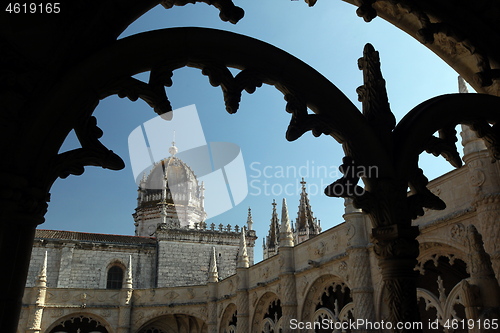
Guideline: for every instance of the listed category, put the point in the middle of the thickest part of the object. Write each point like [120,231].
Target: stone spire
[213,274]
[249,219]
[274,227]
[481,270]
[41,281]
[173,149]
[306,225]
[128,279]
[273,237]
[286,235]
[470,141]
[243,261]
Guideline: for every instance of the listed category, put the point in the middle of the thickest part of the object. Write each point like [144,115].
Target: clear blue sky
[330,38]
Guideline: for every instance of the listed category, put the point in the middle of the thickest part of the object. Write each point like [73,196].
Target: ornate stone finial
[144,178]
[128,279]
[286,236]
[249,219]
[273,238]
[479,260]
[303,184]
[42,276]
[349,206]
[202,194]
[213,274]
[441,290]
[481,271]
[305,224]
[373,94]
[470,141]
[163,202]
[243,261]
[173,149]
[462,87]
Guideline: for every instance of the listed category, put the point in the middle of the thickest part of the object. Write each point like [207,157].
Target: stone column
[397,251]
[212,307]
[488,215]
[213,278]
[288,293]
[483,277]
[484,181]
[359,264]
[125,311]
[22,208]
[242,300]
[36,311]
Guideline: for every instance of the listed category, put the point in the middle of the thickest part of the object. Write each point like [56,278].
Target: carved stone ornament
[342,267]
[335,241]
[457,232]
[171,295]
[190,292]
[57,312]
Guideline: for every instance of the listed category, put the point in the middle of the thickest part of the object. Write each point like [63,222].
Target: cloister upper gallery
[409,251]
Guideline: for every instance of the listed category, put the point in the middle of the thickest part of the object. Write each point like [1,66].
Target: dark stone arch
[229,320]
[328,296]
[80,322]
[267,313]
[25,196]
[174,323]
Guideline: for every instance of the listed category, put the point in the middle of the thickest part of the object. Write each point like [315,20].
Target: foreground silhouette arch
[42,132]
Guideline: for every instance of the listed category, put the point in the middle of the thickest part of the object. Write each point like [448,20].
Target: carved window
[272,322]
[154,330]
[439,286]
[79,324]
[335,305]
[231,325]
[115,277]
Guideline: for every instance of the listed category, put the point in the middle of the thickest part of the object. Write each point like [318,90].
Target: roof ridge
[95,233]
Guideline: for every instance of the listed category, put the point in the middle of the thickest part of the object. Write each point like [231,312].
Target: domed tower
[169,195]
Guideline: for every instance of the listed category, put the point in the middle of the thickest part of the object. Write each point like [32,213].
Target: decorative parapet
[204,228]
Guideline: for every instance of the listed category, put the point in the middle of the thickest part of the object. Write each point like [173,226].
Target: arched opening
[229,320]
[440,275]
[268,315]
[328,299]
[114,278]
[174,323]
[79,324]
[34,103]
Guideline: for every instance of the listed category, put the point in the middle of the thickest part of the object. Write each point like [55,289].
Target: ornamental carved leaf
[228,11]
[152,93]
[232,87]
[92,152]
[373,95]
[490,135]
[445,146]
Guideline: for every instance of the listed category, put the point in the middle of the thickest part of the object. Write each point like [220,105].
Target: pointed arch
[85,321]
[267,314]
[328,297]
[229,320]
[174,323]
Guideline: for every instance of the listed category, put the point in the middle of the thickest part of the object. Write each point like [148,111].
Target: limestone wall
[85,265]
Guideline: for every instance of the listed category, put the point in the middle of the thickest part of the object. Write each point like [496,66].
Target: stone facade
[197,279]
